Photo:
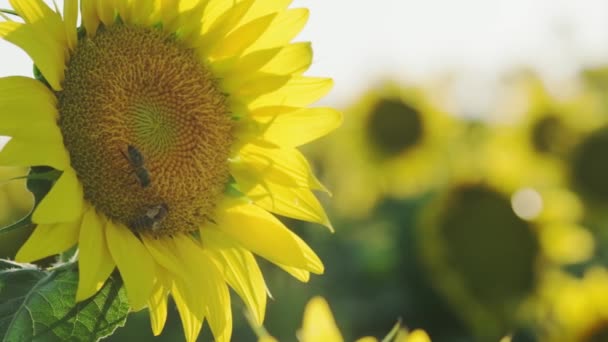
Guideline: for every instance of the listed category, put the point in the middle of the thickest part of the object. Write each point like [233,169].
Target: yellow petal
[90,19]
[38,39]
[238,41]
[158,306]
[28,110]
[298,203]
[418,336]
[134,262]
[260,232]
[303,126]
[298,273]
[319,323]
[225,23]
[367,339]
[47,22]
[47,240]
[70,18]
[208,289]
[164,252]
[283,29]
[240,270]
[298,92]
[191,322]
[106,11]
[95,264]
[285,166]
[25,152]
[263,7]
[293,59]
[63,203]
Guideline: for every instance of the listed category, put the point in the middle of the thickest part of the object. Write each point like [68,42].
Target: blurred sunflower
[319,325]
[15,203]
[538,139]
[587,172]
[485,242]
[574,309]
[392,143]
[175,125]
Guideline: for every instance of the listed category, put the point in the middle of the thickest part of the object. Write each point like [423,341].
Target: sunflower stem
[259,330]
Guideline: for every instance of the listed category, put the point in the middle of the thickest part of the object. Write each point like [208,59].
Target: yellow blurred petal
[47,240]
[158,306]
[257,85]
[418,336]
[260,232]
[367,339]
[267,338]
[242,38]
[90,19]
[47,22]
[298,92]
[70,18]
[191,322]
[319,323]
[283,29]
[240,270]
[95,264]
[285,166]
[298,273]
[134,262]
[64,203]
[36,39]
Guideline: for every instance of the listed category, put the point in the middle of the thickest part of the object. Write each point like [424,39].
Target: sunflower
[391,144]
[319,325]
[536,141]
[485,242]
[175,125]
[574,309]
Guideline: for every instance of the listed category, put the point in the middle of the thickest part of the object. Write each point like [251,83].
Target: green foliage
[40,305]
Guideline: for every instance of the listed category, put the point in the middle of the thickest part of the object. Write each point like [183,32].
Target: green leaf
[40,305]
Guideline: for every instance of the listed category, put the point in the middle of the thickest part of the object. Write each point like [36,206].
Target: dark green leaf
[37,305]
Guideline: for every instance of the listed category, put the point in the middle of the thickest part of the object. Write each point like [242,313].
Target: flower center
[486,243]
[550,135]
[590,166]
[147,129]
[394,127]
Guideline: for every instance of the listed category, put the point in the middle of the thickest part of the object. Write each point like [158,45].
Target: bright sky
[359,41]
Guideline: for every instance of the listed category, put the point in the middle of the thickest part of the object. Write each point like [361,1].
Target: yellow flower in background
[176,126]
[392,143]
[319,326]
[485,243]
[15,203]
[538,139]
[574,309]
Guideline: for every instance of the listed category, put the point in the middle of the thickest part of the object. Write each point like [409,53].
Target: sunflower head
[392,144]
[144,140]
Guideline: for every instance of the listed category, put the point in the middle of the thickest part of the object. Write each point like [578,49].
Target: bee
[136,160]
[152,218]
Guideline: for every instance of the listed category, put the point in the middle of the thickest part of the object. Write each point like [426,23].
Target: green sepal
[39,305]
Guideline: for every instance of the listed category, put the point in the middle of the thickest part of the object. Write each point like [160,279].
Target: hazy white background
[357,42]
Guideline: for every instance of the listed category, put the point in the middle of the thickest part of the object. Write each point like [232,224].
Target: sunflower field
[177,170]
